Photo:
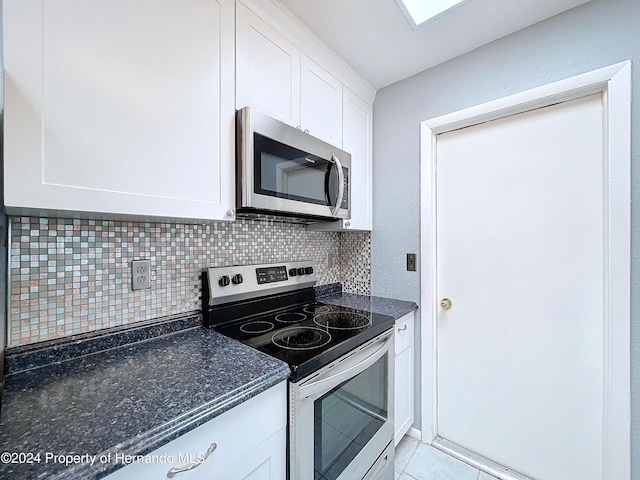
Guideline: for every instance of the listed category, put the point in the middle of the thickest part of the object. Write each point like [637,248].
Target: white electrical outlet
[140,274]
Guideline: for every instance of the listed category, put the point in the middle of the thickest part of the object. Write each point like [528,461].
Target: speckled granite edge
[384,306]
[153,439]
[328,289]
[39,355]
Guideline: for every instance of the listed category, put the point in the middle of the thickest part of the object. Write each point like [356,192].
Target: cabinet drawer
[235,432]
[404,332]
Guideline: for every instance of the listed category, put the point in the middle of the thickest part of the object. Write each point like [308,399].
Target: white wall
[594,35]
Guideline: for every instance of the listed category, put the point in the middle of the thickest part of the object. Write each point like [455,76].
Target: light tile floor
[417,461]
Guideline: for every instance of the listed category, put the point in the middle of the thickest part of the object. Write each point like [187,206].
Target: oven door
[284,169]
[341,422]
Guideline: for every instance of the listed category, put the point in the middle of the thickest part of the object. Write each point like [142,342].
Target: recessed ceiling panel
[419,12]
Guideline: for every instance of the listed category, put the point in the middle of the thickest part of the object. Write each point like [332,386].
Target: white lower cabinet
[404,384]
[260,463]
[250,445]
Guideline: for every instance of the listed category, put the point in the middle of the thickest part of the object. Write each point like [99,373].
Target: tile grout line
[403,471]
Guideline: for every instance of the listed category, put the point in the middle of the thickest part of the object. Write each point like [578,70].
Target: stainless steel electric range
[341,361]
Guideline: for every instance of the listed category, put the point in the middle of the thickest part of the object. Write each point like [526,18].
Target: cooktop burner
[256,327]
[342,320]
[315,309]
[290,317]
[301,338]
[307,341]
[272,308]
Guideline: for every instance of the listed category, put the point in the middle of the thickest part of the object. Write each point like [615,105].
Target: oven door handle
[371,353]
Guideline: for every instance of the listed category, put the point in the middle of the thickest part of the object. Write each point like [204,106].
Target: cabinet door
[357,117]
[268,69]
[320,102]
[250,437]
[357,140]
[119,107]
[265,462]
[404,367]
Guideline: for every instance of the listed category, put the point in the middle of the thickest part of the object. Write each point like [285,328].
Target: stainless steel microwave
[284,170]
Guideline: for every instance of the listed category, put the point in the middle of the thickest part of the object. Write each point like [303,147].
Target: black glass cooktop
[307,336]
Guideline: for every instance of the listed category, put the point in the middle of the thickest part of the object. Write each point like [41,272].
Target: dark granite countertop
[385,306]
[129,399]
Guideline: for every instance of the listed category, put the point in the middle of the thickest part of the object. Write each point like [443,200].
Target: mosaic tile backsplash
[73,276]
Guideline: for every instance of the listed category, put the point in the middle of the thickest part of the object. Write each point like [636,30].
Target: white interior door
[520,222]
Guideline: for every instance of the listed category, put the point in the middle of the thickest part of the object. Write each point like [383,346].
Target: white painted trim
[414,433]
[617,421]
[563,90]
[615,83]
[427,312]
[475,460]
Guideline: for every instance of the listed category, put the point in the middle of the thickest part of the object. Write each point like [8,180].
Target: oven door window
[282,171]
[347,417]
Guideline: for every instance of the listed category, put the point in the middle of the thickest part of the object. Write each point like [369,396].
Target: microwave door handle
[334,159]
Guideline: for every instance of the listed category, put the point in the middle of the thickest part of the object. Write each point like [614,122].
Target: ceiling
[374,37]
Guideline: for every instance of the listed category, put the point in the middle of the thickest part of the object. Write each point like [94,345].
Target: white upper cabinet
[119,107]
[357,117]
[283,70]
[268,69]
[320,102]
[357,140]
[274,77]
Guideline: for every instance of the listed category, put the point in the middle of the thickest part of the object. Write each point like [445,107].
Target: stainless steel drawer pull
[404,327]
[176,470]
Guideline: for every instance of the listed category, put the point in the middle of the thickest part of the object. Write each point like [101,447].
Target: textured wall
[591,36]
[72,276]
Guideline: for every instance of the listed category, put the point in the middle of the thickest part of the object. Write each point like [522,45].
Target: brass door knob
[446,303]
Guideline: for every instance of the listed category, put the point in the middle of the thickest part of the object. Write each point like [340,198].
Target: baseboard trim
[415,433]
[478,461]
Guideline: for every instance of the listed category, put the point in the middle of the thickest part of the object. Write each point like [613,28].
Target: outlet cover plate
[140,274]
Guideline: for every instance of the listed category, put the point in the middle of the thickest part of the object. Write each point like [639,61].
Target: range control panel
[271,274]
[229,284]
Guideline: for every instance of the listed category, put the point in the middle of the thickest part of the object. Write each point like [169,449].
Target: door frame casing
[614,82]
